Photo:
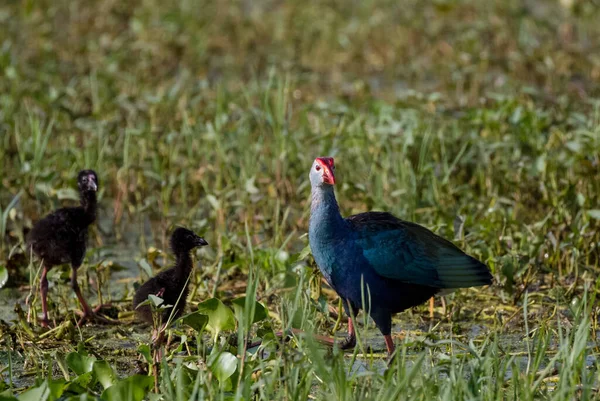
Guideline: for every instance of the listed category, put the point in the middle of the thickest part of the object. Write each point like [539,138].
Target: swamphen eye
[318,168]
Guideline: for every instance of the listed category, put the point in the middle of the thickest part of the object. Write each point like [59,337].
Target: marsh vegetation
[477,119]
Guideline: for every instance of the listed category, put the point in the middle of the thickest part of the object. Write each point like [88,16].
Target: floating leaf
[144,349]
[220,317]
[81,397]
[260,312]
[133,388]
[250,187]
[81,383]
[80,363]
[48,389]
[3,276]
[224,366]
[40,393]
[104,374]
[67,194]
[157,301]
[6,396]
[196,321]
[143,263]
[594,214]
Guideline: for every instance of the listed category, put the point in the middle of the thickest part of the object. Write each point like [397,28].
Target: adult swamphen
[378,262]
[61,238]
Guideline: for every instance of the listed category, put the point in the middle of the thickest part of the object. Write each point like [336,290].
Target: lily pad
[220,317]
[594,214]
[134,388]
[80,363]
[260,312]
[157,301]
[47,390]
[196,321]
[224,366]
[104,374]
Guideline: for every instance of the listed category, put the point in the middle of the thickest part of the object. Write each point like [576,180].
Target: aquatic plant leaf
[81,383]
[47,390]
[143,263]
[220,317]
[260,312]
[6,396]
[82,397]
[157,301]
[40,393]
[104,374]
[80,363]
[224,366]
[3,276]
[133,388]
[196,321]
[594,214]
[144,349]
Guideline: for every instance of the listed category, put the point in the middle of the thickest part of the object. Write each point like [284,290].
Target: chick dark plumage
[61,237]
[173,282]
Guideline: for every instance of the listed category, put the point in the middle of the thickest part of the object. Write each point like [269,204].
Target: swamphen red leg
[350,341]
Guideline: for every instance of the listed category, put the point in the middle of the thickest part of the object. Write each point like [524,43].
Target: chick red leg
[88,313]
[44,322]
[431,306]
[389,344]
[350,341]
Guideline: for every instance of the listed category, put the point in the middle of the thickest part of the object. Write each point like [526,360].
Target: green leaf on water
[144,349]
[146,267]
[81,397]
[47,390]
[3,276]
[594,214]
[220,317]
[81,383]
[104,374]
[260,312]
[157,301]
[80,363]
[7,396]
[133,388]
[224,366]
[40,393]
[196,321]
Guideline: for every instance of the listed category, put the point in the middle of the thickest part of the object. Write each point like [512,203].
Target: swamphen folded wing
[410,253]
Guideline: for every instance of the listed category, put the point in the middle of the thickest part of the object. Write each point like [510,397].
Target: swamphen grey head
[87,181]
[322,172]
[184,240]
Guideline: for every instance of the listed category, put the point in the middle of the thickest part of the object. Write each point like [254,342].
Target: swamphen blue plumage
[389,263]
[61,237]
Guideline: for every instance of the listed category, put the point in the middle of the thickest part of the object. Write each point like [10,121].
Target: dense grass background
[477,119]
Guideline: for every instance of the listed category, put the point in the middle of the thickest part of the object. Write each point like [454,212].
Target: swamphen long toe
[172,284]
[61,237]
[378,262]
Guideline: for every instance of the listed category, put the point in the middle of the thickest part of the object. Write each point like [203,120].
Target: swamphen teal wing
[410,253]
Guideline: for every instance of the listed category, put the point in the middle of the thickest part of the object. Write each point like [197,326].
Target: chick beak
[92,184]
[201,241]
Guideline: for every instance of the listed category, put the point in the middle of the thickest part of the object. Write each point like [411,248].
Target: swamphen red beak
[328,169]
